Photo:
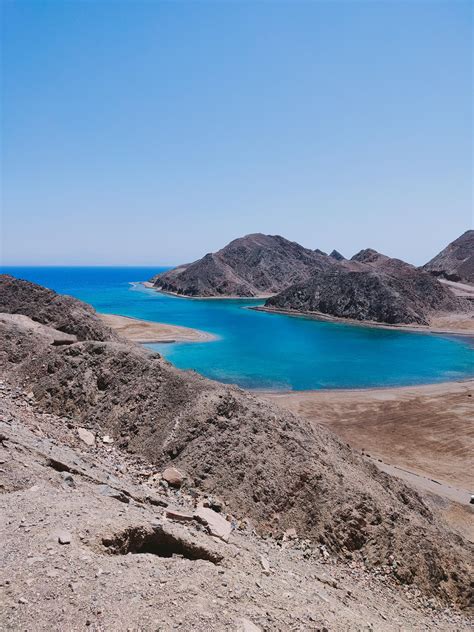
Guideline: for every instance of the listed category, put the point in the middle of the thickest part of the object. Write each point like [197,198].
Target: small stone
[68,479]
[22,600]
[173,477]
[107,439]
[86,436]
[265,564]
[290,534]
[110,492]
[64,537]
[245,625]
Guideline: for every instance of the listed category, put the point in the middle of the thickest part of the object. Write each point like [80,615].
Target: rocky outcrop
[250,266]
[335,254]
[44,306]
[456,261]
[267,465]
[371,287]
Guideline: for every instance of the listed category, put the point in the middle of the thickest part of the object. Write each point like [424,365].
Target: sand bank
[143,331]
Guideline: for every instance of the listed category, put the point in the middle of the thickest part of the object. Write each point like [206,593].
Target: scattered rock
[173,477]
[216,524]
[107,439]
[86,436]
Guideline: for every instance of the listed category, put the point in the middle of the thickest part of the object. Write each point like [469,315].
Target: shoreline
[150,332]
[426,329]
[261,297]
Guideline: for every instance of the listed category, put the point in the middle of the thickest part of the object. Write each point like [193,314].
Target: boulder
[173,477]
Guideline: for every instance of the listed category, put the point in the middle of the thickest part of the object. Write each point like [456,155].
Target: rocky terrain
[292,492]
[456,261]
[254,265]
[371,287]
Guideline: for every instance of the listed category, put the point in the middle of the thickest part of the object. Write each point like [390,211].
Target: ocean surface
[266,351]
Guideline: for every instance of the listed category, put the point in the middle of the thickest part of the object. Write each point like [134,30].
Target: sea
[257,350]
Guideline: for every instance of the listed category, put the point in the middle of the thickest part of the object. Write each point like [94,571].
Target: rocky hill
[249,266]
[272,470]
[456,261]
[371,287]
[46,307]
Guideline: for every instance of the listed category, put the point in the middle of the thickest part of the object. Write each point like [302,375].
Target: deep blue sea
[266,351]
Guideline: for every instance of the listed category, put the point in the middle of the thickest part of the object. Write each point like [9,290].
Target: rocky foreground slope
[371,287]
[456,261]
[274,472]
[249,266]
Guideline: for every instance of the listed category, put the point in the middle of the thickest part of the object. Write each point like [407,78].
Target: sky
[151,133]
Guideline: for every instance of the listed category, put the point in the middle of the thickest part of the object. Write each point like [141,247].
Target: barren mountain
[272,469]
[456,261]
[371,287]
[249,266]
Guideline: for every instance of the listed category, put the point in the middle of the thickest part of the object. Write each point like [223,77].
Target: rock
[111,492]
[290,534]
[86,436]
[245,625]
[180,516]
[64,537]
[68,479]
[216,524]
[265,564]
[107,439]
[325,579]
[173,477]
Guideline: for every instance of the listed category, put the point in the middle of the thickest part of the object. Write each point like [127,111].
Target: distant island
[370,287]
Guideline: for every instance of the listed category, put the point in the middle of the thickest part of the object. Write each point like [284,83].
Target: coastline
[148,332]
[465,325]
[260,297]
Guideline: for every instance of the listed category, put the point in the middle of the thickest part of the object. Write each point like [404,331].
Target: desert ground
[143,331]
[422,434]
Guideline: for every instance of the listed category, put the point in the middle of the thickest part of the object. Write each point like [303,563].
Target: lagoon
[258,350]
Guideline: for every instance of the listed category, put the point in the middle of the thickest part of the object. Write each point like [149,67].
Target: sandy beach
[143,331]
[422,434]
[455,324]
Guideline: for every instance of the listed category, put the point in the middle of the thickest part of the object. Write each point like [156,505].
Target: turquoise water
[267,351]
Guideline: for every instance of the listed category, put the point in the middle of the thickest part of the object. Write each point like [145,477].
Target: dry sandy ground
[147,332]
[87,544]
[423,434]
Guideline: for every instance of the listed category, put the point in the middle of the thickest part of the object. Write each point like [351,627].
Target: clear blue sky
[154,132]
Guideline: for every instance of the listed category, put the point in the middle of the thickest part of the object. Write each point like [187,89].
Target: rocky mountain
[456,261]
[249,266]
[272,470]
[371,287]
